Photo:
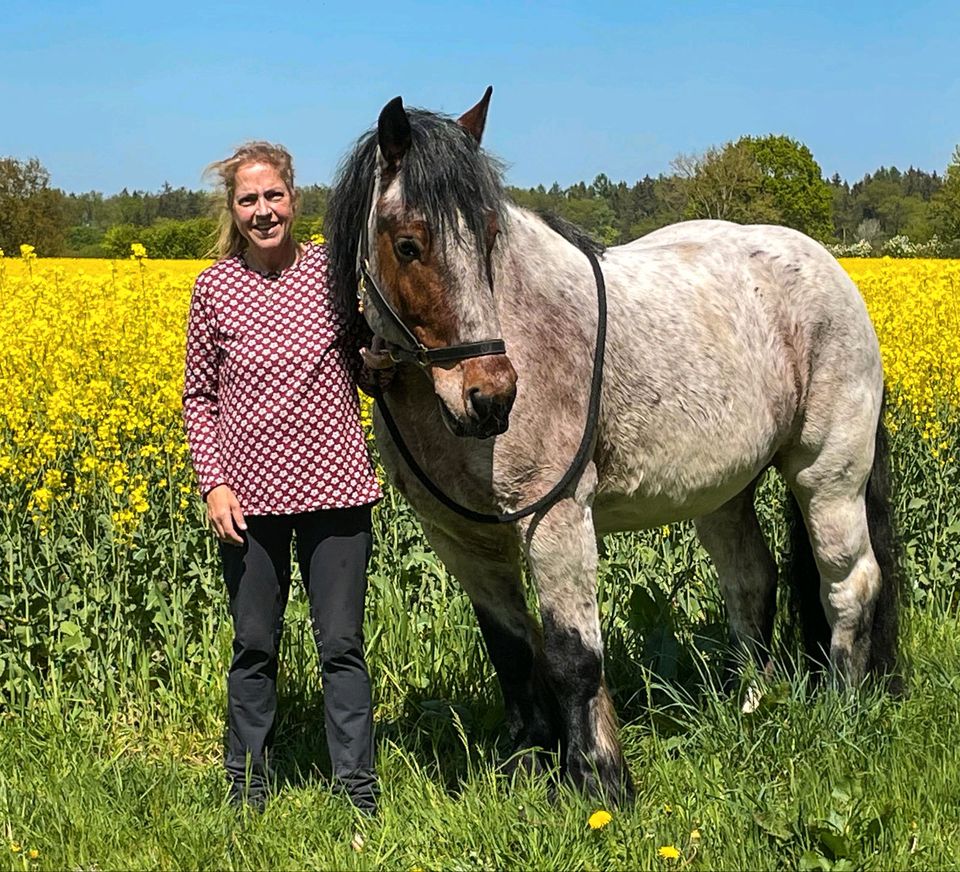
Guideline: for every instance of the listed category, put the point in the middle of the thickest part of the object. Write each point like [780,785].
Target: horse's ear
[393,132]
[475,119]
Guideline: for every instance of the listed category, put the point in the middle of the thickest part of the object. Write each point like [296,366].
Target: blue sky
[107,95]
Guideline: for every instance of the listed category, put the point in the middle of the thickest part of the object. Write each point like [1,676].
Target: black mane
[446,175]
[573,233]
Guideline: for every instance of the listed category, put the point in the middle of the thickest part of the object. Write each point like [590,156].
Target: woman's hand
[378,369]
[225,514]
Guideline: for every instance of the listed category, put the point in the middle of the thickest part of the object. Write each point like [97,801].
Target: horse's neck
[536,264]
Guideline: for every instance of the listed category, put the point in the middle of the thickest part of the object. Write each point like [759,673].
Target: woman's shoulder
[213,276]
[224,266]
[314,254]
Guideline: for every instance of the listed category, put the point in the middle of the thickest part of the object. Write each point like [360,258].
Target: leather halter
[411,349]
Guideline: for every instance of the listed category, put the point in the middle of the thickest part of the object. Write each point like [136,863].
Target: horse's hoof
[527,760]
[611,785]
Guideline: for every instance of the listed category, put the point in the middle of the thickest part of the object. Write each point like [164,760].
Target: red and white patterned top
[270,399]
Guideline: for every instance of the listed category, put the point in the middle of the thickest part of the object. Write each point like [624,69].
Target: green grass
[811,780]
[112,681]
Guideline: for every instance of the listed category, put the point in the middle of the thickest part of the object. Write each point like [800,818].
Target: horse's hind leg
[487,565]
[746,570]
[562,552]
[830,485]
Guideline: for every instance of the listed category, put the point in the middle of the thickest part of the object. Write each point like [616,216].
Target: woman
[272,418]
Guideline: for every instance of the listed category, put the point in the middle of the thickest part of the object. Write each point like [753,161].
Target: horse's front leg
[562,553]
[487,563]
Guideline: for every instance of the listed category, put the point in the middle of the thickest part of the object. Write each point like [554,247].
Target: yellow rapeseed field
[91,367]
[915,307]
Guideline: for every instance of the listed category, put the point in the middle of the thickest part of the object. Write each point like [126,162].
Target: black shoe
[250,793]
[362,788]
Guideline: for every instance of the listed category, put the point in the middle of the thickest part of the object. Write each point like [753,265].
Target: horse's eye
[407,248]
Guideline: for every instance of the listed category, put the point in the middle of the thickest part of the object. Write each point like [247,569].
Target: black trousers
[332,548]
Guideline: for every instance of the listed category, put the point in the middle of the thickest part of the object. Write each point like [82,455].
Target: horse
[723,350]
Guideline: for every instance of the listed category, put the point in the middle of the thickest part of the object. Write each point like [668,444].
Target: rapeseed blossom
[91,371]
[915,308]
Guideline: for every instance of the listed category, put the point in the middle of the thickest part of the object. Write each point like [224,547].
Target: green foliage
[792,179]
[755,179]
[191,238]
[897,203]
[167,238]
[117,240]
[945,203]
[31,212]
[726,184]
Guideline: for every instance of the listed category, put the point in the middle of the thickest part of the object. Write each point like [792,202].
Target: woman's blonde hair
[229,239]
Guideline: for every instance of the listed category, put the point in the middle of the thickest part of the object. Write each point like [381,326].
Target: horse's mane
[445,174]
[573,233]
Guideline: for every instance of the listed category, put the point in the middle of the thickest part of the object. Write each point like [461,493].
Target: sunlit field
[114,637]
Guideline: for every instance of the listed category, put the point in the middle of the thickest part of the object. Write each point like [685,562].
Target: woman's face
[262,207]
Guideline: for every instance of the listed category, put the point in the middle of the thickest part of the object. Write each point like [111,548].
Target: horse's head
[428,216]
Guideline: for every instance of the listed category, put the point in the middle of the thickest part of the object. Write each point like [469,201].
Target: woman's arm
[201,384]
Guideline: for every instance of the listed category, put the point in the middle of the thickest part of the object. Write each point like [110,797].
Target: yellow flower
[33,853]
[668,852]
[599,819]
[694,835]
[27,252]
[15,847]
[318,239]
[137,251]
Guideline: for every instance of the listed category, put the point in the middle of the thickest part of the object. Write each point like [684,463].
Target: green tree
[794,183]
[168,238]
[723,183]
[117,240]
[945,204]
[31,211]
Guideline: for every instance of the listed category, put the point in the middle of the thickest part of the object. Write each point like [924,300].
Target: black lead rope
[579,460]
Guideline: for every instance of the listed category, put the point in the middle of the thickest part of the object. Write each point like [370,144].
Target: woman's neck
[275,260]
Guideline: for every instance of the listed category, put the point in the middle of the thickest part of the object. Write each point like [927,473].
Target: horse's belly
[654,476]
[646,507]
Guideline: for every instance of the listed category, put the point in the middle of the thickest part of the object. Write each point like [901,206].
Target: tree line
[770,179]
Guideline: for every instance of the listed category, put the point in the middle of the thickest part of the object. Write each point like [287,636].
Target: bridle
[411,349]
[419,354]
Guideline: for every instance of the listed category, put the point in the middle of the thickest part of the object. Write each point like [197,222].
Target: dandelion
[33,853]
[668,852]
[599,819]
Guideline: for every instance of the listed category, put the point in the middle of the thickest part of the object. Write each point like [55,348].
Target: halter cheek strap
[410,349]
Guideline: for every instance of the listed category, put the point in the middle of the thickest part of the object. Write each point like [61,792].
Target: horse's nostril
[481,403]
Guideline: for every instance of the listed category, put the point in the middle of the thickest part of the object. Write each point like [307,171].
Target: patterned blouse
[269,399]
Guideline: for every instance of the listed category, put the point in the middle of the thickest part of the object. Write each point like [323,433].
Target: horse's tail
[884,655]
[804,578]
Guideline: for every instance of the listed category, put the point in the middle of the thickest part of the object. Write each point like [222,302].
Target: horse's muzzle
[489,389]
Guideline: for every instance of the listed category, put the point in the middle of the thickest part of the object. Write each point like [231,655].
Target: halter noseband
[411,349]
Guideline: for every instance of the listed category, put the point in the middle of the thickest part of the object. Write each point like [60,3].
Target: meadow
[114,640]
